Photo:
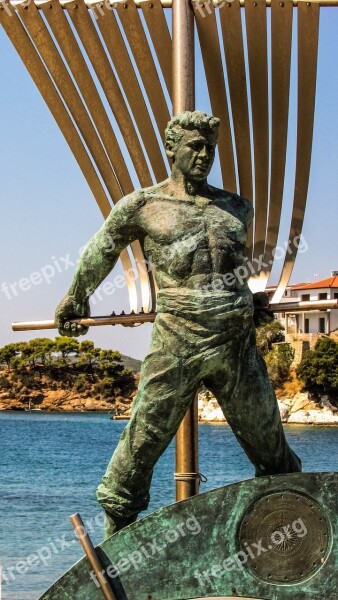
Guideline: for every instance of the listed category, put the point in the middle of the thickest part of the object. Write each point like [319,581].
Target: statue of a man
[195,236]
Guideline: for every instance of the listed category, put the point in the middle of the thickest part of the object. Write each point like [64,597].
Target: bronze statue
[195,237]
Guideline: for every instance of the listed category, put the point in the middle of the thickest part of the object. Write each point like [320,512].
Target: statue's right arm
[98,259]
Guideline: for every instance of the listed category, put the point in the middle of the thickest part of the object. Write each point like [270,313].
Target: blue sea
[52,463]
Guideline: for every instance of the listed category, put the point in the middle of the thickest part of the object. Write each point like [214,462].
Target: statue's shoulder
[233,202]
[157,190]
[131,203]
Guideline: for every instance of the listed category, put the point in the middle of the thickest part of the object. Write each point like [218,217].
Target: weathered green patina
[273,538]
[195,237]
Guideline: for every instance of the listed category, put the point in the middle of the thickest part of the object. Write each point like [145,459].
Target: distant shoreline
[122,418]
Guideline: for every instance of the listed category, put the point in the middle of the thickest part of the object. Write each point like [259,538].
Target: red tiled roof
[288,287]
[331,282]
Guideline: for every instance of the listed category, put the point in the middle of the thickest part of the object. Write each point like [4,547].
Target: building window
[322,325]
[305,297]
[335,295]
[307,326]
[322,296]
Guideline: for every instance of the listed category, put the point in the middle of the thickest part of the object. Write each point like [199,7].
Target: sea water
[50,467]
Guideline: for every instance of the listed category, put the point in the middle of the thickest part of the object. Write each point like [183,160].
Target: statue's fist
[70,308]
[262,313]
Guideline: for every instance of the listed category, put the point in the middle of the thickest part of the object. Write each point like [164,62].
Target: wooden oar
[89,550]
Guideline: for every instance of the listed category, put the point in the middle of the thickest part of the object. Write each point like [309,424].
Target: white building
[310,321]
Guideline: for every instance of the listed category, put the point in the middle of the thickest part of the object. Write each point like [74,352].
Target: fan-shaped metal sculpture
[130,54]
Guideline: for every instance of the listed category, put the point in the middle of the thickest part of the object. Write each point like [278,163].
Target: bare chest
[170,221]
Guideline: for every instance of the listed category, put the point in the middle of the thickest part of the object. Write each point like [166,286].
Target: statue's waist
[205,305]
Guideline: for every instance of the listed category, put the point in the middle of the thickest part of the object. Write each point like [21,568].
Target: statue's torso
[195,242]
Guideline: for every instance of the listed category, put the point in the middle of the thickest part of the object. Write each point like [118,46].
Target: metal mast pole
[187,482]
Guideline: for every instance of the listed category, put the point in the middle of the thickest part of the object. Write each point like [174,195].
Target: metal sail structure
[105,71]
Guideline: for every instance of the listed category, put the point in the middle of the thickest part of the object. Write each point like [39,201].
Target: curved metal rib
[160,36]
[255,14]
[308,28]
[138,42]
[99,60]
[29,56]
[40,36]
[230,15]
[281,40]
[76,63]
[234,56]
[24,47]
[84,26]
[211,53]
[114,42]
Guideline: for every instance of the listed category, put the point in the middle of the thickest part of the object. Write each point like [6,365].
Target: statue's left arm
[98,259]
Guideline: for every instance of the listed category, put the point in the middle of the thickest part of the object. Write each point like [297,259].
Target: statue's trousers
[198,337]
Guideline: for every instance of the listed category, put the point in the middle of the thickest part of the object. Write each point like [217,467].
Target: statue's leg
[165,391]
[249,404]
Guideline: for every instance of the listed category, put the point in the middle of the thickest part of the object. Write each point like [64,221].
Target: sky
[48,212]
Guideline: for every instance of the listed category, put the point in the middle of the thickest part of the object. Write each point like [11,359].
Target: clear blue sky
[48,211]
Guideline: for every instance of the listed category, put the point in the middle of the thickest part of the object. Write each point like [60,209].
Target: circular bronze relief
[286,537]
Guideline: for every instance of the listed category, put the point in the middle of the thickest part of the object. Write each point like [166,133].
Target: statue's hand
[262,313]
[70,308]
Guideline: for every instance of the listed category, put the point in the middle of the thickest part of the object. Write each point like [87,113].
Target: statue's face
[194,155]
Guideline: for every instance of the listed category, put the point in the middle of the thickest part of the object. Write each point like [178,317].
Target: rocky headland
[66,375]
[299,409]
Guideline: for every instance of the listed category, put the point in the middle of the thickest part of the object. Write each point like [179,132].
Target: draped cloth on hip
[189,320]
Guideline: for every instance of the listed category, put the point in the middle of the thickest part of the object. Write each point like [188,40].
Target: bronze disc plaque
[286,537]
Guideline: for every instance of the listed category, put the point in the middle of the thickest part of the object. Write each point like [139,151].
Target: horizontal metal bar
[138,318]
[122,319]
[303,306]
[221,3]
[168,3]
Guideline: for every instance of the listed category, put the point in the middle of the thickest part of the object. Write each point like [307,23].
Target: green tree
[66,346]
[27,356]
[8,352]
[110,364]
[86,346]
[110,361]
[278,362]
[105,387]
[88,355]
[269,334]
[81,383]
[37,351]
[319,367]
[43,350]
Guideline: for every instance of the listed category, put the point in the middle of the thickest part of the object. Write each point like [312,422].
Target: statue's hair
[188,121]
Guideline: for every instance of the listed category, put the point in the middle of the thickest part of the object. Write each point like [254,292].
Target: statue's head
[190,141]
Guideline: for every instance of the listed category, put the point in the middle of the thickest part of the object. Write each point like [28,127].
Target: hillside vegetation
[67,371]
[64,374]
